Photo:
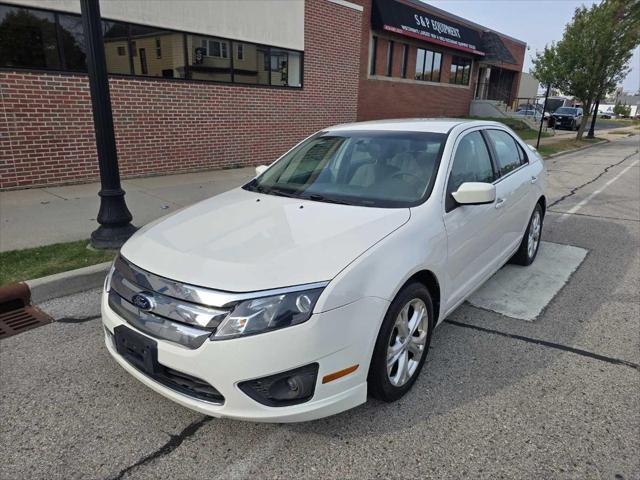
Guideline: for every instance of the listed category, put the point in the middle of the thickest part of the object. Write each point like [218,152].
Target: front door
[473,236]
[513,189]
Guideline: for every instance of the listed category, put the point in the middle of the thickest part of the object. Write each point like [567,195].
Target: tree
[622,110]
[593,55]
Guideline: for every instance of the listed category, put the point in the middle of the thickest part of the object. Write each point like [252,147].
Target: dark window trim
[131,61]
[459,62]
[424,65]
[405,60]
[390,46]
[449,202]
[374,54]
[501,176]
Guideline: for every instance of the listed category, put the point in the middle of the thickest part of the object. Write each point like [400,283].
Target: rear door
[513,188]
[473,236]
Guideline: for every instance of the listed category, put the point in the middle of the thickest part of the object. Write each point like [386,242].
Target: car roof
[432,125]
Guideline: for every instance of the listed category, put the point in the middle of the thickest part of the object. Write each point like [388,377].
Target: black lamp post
[114,216]
[592,128]
[544,109]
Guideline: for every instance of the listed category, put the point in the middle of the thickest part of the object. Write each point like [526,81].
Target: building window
[35,38]
[390,58]
[28,38]
[215,48]
[460,70]
[428,65]
[73,48]
[405,60]
[374,54]
[116,47]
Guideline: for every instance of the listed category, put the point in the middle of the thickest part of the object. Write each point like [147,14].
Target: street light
[114,216]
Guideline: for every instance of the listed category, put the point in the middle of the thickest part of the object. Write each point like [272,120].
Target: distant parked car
[608,115]
[567,117]
[531,113]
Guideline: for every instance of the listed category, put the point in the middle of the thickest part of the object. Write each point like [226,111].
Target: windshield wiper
[321,198]
[276,191]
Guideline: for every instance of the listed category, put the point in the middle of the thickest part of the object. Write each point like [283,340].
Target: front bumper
[336,339]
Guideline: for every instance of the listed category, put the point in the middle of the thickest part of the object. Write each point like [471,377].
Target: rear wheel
[530,244]
[402,344]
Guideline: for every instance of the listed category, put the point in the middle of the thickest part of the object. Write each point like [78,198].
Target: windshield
[566,111]
[377,169]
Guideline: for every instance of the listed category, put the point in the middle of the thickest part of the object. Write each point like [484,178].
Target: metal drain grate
[21,320]
[16,315]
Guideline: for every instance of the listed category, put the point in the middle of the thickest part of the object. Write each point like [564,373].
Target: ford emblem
[143,301]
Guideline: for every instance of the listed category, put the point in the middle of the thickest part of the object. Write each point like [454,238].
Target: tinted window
[471,162]
[285,67]
[566,111]
[380,169]
[116,46]
[460,70]
[157,52]
[74,48]
[508,153]
[428,65]
[28,38]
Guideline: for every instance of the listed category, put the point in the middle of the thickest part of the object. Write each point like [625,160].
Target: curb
[67,283]
[559,154]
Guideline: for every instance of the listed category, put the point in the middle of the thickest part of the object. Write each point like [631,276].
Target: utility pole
[544,108]
[592,128]
[114,216]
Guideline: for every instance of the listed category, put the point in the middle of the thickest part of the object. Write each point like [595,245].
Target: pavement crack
[76,319]
[174,442]
[545,343]
[574,190]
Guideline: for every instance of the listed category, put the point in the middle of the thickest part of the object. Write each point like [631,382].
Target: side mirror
[260,169]
[532,148]
[475,193]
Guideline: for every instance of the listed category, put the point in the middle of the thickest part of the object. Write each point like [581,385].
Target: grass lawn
[521,128]
[30,263]
[563,145]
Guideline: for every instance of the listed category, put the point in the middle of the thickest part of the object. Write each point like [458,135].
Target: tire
[390,383]
[528,251]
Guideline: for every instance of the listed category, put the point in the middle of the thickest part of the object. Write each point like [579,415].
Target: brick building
[204,85]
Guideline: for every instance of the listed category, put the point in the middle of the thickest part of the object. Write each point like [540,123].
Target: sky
[537,22]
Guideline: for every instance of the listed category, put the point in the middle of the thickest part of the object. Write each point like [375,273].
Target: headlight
[268,313]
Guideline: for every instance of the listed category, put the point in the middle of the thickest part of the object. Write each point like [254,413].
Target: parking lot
[553,397]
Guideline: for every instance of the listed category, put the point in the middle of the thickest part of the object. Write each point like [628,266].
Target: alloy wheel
[407,342]
[534,234]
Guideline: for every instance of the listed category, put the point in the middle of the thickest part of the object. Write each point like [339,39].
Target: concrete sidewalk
[41,216]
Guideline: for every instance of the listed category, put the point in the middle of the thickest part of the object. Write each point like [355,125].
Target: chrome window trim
[195,294]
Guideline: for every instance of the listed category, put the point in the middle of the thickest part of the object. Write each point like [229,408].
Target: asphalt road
[498,398]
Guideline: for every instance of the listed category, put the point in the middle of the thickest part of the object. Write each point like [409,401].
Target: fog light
[283,389]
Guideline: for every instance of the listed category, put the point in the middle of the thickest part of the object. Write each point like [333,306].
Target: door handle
[500,202]
[534,179]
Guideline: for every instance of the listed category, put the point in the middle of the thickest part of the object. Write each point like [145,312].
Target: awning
[397,17]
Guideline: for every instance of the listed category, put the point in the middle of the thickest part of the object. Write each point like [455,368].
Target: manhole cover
[16,315]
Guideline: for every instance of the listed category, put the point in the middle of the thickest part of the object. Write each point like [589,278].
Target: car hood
[242,241]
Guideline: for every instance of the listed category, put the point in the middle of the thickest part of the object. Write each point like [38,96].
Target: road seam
[575,189]
[545,343]
[586,200]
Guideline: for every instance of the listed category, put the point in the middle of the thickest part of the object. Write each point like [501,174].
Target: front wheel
[402,344]
[528,249]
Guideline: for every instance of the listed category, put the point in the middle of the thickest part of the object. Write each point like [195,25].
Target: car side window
[471,163]
[509,155]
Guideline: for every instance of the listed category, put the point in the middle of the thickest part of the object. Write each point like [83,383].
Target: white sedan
[321,280]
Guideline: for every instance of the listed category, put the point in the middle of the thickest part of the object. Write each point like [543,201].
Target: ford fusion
[321,280]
